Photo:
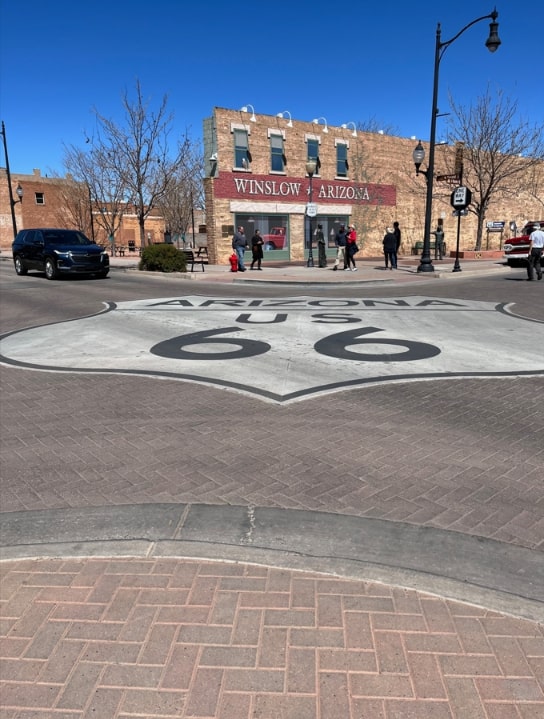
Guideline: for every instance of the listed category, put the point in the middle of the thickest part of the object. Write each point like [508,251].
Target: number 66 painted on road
[334,345]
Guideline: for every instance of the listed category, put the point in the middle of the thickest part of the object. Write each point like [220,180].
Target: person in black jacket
[340,242]
[257,243]
[390,249]
[397,233]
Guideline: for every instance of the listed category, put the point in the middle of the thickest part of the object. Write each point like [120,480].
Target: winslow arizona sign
[282,350]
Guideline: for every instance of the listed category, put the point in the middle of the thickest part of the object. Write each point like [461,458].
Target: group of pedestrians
[240,245]
[345,241]
[346,248]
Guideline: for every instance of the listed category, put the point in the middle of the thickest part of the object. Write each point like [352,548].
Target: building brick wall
[381,162]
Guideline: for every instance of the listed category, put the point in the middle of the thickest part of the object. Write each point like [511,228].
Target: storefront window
[274,230]
[330,225]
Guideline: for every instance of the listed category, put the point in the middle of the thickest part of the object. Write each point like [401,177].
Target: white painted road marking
[291,348]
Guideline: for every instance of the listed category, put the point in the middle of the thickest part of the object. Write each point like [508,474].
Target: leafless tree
[104,189]
[73,207]
[139,153]
[502,153]
[184,193]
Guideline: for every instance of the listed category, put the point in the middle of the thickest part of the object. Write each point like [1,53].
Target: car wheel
[269,246]
[102,275]
[51,271]
[20,269]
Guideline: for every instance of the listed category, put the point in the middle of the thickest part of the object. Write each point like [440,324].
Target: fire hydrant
[233,259]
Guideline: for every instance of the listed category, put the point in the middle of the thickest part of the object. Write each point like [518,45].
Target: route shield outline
[287,349]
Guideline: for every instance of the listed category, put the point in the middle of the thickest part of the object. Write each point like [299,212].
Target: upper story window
[242,156]
[312,151]
[40,198]
[342,165]
[278,160]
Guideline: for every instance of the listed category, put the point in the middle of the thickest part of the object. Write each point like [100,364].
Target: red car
[516,249]
[276,240]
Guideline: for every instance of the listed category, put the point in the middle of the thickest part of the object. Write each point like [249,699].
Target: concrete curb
[495,575]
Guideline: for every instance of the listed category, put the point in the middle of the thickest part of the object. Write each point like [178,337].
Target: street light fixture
[311,166]
[492,43]
[19,190]
[346,125]
[286,112]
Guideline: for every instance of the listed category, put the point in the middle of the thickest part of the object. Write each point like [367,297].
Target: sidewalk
[368,270]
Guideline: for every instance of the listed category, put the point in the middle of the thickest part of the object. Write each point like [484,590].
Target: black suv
[58,252]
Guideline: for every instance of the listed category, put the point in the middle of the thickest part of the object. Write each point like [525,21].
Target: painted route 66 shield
[288,349]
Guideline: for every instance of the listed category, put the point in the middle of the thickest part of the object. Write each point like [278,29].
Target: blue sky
[347,62]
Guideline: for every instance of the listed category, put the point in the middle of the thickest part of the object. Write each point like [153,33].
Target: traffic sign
[311,209]
[461,197]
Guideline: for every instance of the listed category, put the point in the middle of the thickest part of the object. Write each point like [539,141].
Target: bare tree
[139,153]
[95,176]
[184,192]
[74,208]
[500,152]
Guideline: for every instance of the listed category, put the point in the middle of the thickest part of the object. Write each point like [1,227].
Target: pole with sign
[311,210]
[460,199]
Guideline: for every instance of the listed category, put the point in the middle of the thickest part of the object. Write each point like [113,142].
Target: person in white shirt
[536,247]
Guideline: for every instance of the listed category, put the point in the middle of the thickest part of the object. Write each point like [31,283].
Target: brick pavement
[165,637]
[162,638]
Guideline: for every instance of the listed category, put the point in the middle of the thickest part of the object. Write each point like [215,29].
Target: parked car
[58,252]
[516,249]
[276,239]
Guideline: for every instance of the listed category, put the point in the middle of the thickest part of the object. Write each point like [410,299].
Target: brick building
[256,177]
[45,204]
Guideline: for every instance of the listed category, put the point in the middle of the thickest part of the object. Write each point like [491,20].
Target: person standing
[321,247]
[239,245]
[397,233]
[390,249]
[438,242]
[340,242]
[536,246]
[351,248]
[257,243]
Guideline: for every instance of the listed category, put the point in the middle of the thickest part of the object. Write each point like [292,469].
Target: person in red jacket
[351,249]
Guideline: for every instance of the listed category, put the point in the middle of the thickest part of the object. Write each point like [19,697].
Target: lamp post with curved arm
[492,43]
[311,167]
[19,189]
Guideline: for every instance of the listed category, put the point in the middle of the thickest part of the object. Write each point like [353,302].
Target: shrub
[162,258]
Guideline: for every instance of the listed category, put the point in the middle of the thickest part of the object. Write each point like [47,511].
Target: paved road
[330,546]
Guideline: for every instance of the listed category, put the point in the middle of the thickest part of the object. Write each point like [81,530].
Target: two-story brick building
[256,177]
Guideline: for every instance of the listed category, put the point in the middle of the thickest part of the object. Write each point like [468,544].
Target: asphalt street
[175,546]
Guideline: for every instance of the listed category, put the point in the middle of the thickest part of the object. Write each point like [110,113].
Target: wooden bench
[192,259]
[417,249]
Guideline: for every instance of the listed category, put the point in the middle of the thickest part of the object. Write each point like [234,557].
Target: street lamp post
[492,43]
[19,189]
[311,166]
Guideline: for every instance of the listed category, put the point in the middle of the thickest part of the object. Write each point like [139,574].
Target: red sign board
[276,188]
